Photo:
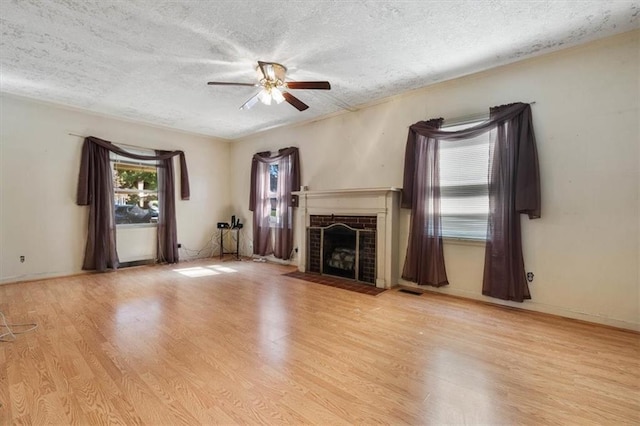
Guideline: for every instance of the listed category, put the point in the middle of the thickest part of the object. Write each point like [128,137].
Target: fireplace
[351,233]
[343,246]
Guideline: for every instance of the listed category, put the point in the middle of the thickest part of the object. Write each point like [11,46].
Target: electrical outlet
[530,276]
[179,245]
[22,259]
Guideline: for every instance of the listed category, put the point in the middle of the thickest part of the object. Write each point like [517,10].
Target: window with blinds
[464,187]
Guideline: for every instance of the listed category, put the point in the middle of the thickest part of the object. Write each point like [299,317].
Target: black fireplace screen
[343,251]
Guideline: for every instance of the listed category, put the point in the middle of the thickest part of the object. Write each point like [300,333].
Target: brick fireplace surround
[368,208]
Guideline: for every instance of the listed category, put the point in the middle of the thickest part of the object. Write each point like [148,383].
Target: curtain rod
[116,143]
[458,121]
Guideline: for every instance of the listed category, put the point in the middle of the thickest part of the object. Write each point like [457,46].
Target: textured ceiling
[150,60]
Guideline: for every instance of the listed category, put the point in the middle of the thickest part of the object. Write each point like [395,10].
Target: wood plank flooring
[240,343]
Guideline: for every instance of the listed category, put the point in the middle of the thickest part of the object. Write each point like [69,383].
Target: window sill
[136,225]
[464,241]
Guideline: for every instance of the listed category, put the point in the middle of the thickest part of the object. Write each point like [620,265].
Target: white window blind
[464,185]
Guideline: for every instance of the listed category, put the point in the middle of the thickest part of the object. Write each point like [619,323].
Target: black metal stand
[224,231]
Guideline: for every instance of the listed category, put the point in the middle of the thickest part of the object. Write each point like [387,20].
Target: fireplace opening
[339,251]
[343,246]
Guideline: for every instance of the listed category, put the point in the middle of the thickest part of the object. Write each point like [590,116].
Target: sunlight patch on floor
[204,271]
[197,271]
[222,268]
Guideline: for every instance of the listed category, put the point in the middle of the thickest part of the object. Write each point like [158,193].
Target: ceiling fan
[273,86]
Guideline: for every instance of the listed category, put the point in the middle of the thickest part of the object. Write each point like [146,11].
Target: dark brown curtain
[424,263]
[167,245]
[95,189]
[514,188]
[288,162]
[260,204]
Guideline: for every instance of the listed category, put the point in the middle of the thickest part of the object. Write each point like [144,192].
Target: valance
[527,180]
[84,189]
[265,157]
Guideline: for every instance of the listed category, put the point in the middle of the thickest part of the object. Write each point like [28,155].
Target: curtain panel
[167,242]
[95,189]
[424,262]
[514,189]
[288,163]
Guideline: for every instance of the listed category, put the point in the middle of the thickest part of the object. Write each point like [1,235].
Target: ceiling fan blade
[321,85]
[251,102]
[297,103]
[226,83]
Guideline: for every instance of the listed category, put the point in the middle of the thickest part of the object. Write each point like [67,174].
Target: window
[272,180]
[464,187]
[273,193]
[135,184]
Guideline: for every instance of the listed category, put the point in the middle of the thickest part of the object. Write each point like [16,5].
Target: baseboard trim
[137,263]
[28,278]
[527,305]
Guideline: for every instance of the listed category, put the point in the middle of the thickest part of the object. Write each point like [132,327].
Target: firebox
[343,246]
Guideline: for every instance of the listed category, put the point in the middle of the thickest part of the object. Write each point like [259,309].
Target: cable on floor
[209,248]
[11,332]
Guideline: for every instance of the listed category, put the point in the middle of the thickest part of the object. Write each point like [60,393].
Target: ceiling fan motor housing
[272,72]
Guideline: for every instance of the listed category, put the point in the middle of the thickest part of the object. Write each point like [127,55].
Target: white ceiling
[150,60]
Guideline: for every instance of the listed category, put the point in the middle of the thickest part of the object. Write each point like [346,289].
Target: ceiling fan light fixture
[271,81]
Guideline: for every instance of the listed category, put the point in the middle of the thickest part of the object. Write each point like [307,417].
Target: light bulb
[265,97]
[277,96]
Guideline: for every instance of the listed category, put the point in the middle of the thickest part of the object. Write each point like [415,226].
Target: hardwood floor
[239,343]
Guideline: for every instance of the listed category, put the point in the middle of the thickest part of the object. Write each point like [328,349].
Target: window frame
[272,196]
[141,165]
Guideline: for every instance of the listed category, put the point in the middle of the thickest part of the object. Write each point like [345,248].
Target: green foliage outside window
[128,179]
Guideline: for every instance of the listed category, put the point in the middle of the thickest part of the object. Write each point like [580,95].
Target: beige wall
[584,250]
[39,168]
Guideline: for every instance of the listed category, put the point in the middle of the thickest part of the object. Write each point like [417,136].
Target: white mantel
[384,203]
